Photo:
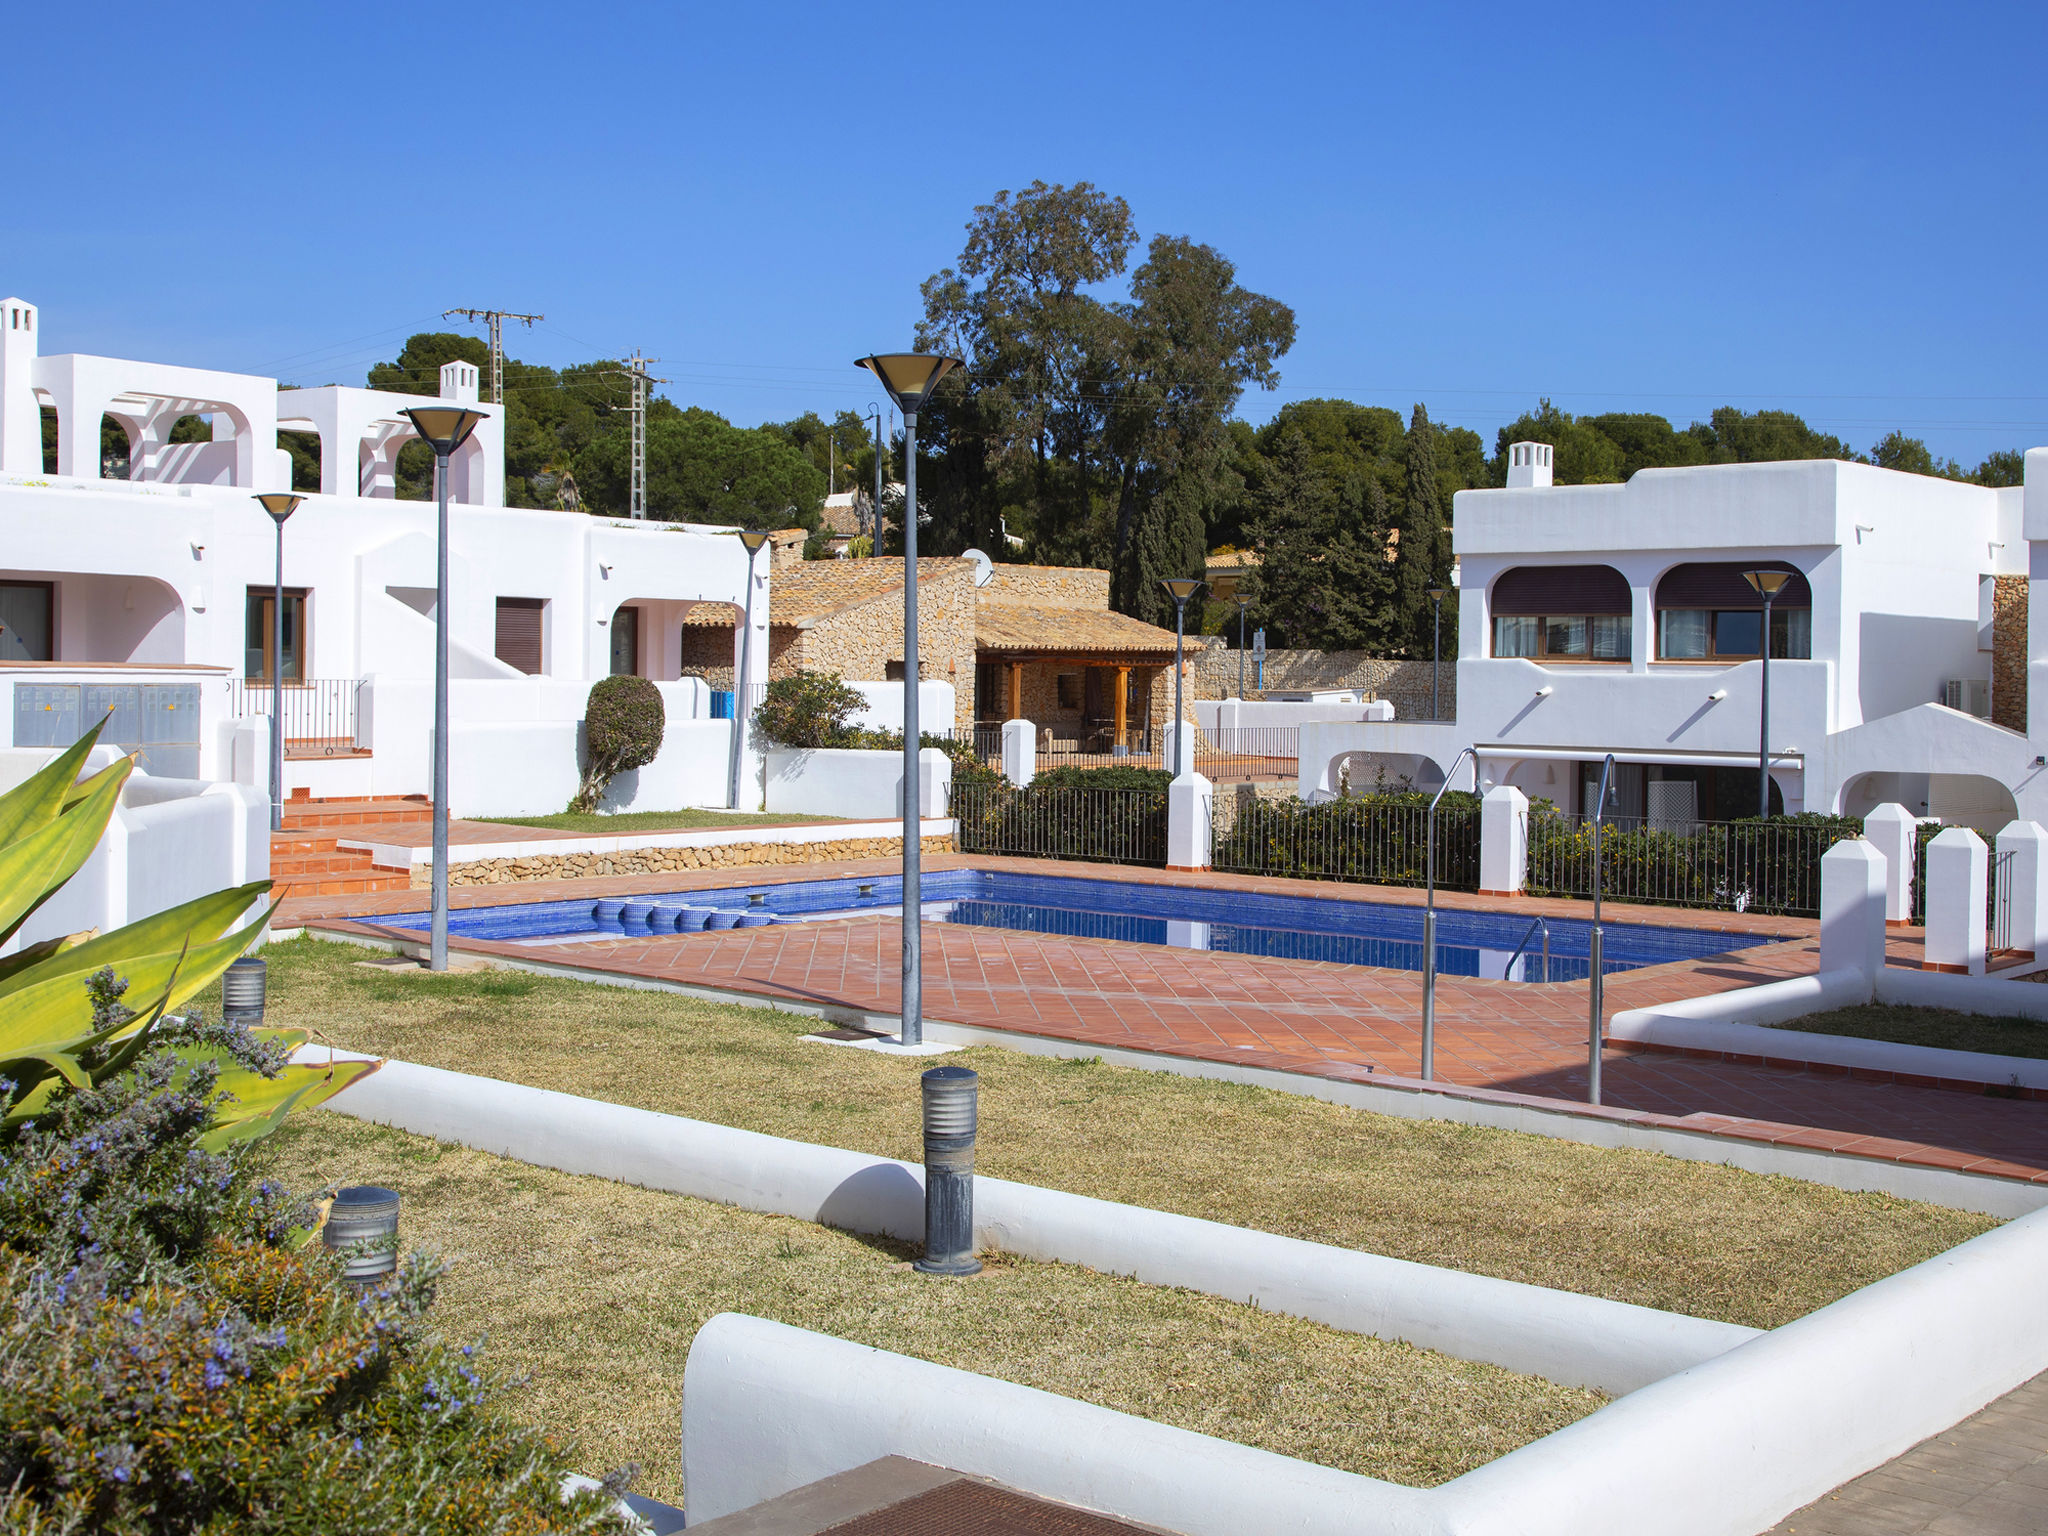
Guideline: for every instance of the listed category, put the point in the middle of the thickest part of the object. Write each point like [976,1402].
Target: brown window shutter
[1720,584]
[1537,591]
[519,633]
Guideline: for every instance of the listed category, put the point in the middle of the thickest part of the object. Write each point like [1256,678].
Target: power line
[495,318]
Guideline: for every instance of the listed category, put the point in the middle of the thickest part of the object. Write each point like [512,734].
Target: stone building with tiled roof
[1037,642]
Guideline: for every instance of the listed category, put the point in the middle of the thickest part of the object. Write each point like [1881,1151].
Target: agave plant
[49,1034]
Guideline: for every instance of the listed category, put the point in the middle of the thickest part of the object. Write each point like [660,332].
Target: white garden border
[1726,1448]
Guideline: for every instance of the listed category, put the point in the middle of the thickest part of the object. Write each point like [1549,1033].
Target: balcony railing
[319,712]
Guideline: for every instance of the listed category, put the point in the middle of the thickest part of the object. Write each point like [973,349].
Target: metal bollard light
[364,1213]
[950,1116]
[242,990]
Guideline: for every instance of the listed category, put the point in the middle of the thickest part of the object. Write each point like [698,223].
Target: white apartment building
[153,595]
[1617,618]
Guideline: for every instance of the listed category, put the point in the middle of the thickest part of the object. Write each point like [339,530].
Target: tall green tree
[1322,580]
[703,469]
[1192,339]
[1422,558]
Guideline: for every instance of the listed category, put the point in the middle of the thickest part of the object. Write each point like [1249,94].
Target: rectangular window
[1571,637]
[519,629]
[1068,685]
[892,671]
[259,637]
[27,630]
[1733,634]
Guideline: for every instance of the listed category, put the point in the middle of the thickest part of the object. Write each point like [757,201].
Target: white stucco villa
[152,595]
[1907,645]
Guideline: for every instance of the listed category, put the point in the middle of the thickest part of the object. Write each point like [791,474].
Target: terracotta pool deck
[1512,1042]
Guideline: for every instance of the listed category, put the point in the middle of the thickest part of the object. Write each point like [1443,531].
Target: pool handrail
[1429,915]
[1595,989]
[1544,924]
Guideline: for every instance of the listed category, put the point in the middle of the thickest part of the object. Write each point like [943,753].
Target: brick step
[302,817]
[293,866]
[338,885]
[283,844]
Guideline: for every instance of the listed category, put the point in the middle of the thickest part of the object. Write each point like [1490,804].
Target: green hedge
[1115,824]
[1381,839]
[1768,866]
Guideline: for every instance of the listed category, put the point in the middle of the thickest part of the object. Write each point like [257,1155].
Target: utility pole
[495,319]
[636,370]
[832,465]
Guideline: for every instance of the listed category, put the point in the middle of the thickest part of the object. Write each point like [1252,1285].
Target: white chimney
[458,382]
[1528,465]
[21,418]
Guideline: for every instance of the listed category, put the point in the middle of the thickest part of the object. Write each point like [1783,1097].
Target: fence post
[1891,829]
[1020,752]
[1503,841]
[1852,906]
[1958,886]
[2027,874]
[1190,817]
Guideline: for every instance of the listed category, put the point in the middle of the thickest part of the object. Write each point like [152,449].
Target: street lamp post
[1180,589]
[1243,603]
[280,505]
[1436,657]
[753,539]
[444,428]
[910,378]
[1767,584]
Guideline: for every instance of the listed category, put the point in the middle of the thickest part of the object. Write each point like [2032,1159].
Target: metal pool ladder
[1542,925]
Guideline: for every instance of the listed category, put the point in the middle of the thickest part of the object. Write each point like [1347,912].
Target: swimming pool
[1234,922]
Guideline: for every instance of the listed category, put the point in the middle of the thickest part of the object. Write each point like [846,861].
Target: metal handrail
[1544,925]
[1594,996]
[1429,917]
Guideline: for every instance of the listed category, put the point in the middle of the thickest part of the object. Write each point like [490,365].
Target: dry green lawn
[1904,1024]
[1633,1226]
[594,1290]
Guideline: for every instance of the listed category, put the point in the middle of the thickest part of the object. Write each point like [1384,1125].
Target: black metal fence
[1383,840]
[1732,866]
[319,713]
[1114,826]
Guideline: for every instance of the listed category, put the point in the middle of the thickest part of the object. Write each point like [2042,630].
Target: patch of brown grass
[1633,1226]
[594,1289]
[1907,1024]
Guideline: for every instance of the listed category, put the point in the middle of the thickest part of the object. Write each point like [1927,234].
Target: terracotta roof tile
[1018,627]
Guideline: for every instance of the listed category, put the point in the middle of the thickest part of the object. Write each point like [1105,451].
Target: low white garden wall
[1560,1335]
[1737,1022]
[1210,714]
[884,711]
[1726,1448]
[832,782]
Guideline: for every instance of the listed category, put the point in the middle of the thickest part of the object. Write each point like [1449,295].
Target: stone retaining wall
[1213,674]
[661,861]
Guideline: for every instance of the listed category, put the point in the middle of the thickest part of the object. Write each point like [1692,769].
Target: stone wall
[1405,683]
[2009,652]
[1149,702]
[859,642]
[662,861]
[1048,586]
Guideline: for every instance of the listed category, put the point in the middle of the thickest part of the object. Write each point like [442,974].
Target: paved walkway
[1500,1040]
[1988,1476]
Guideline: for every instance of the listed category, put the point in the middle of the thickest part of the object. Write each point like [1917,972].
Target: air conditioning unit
[1972,695]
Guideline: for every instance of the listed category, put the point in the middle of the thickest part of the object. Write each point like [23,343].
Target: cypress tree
[1422,536]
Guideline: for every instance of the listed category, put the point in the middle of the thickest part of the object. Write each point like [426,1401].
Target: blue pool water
[1234,922]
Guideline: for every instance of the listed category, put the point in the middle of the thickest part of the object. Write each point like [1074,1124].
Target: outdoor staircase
[307,859]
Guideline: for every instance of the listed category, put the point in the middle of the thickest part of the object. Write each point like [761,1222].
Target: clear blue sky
[1835,209]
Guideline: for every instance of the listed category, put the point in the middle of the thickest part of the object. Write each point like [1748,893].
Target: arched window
[1710,612]
[1562,613]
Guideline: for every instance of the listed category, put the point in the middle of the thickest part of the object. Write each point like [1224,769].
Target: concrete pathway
[1986,1477]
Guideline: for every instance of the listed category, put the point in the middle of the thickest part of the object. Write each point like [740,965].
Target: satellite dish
[984,568]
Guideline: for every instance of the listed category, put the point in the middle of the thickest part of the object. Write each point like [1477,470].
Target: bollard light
[950,1114]
[363,1213]
[243,989]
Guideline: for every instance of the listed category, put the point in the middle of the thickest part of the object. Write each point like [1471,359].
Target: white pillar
[1958,877]
[1891,829]
[1020,752]
[1190,813]
[934,783]
[1852,908]
[1503,841]
[1180,748]
[2026,879]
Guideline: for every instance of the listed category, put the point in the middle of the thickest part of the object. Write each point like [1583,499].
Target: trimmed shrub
[1383,839]
[1148,779]
[623,725]
[807,711]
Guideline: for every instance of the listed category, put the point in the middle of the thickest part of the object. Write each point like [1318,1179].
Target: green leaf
[33,868]
[41,798]
[261,1103]
[202,919]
